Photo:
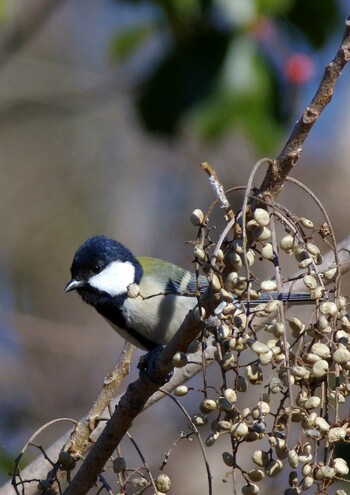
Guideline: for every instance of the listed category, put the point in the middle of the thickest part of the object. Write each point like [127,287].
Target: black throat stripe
[147,344]
[113,314]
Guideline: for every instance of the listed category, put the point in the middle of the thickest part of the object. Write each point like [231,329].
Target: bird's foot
[148,365]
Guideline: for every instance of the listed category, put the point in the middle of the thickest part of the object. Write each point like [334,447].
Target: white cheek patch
[115,278]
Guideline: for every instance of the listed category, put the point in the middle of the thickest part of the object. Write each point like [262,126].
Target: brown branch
[277,172]
[38,468]
[81,434]
[130,405]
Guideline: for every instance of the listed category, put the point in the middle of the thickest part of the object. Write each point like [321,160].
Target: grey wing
[195,282]
[290,297]
[187,282]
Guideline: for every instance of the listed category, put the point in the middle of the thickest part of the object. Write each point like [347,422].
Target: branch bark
[290,154]
[131,404]
[80,437]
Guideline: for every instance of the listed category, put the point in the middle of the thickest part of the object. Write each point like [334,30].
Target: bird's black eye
[96,269]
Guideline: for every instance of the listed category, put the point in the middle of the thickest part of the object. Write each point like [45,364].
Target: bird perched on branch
[144,299]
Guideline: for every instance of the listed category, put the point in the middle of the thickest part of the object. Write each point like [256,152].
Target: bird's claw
[148,365]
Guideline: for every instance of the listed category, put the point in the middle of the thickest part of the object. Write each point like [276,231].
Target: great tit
[102,273]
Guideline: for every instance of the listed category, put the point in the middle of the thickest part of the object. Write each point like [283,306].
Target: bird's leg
[148,365]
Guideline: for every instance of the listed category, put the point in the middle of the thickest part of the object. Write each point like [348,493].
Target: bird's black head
[103,267]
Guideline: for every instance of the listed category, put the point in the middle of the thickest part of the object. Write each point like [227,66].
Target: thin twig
[142,457]
[195,429]
[218,189]
[16,472]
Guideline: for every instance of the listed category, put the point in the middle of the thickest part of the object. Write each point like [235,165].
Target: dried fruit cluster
[299,365]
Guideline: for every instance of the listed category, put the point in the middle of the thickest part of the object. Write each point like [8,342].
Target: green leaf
[187,8]
[127,41]
[273,7]
[245,99]
[316,19]
[6,463]
[183,78]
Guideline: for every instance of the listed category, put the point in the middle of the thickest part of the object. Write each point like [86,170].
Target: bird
[104,271]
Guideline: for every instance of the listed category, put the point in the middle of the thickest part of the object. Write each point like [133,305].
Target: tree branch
[278,171]
[131,404]
[81,435]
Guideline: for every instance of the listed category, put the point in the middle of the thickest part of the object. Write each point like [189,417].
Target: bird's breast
[158,317]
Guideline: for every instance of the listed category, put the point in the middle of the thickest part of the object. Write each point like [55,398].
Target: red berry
[299,68]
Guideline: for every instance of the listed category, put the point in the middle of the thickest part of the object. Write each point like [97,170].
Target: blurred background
[106,110]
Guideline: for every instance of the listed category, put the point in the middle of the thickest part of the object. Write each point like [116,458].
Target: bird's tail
[288,297]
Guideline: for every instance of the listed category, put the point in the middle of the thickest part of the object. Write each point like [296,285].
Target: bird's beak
[73,284]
